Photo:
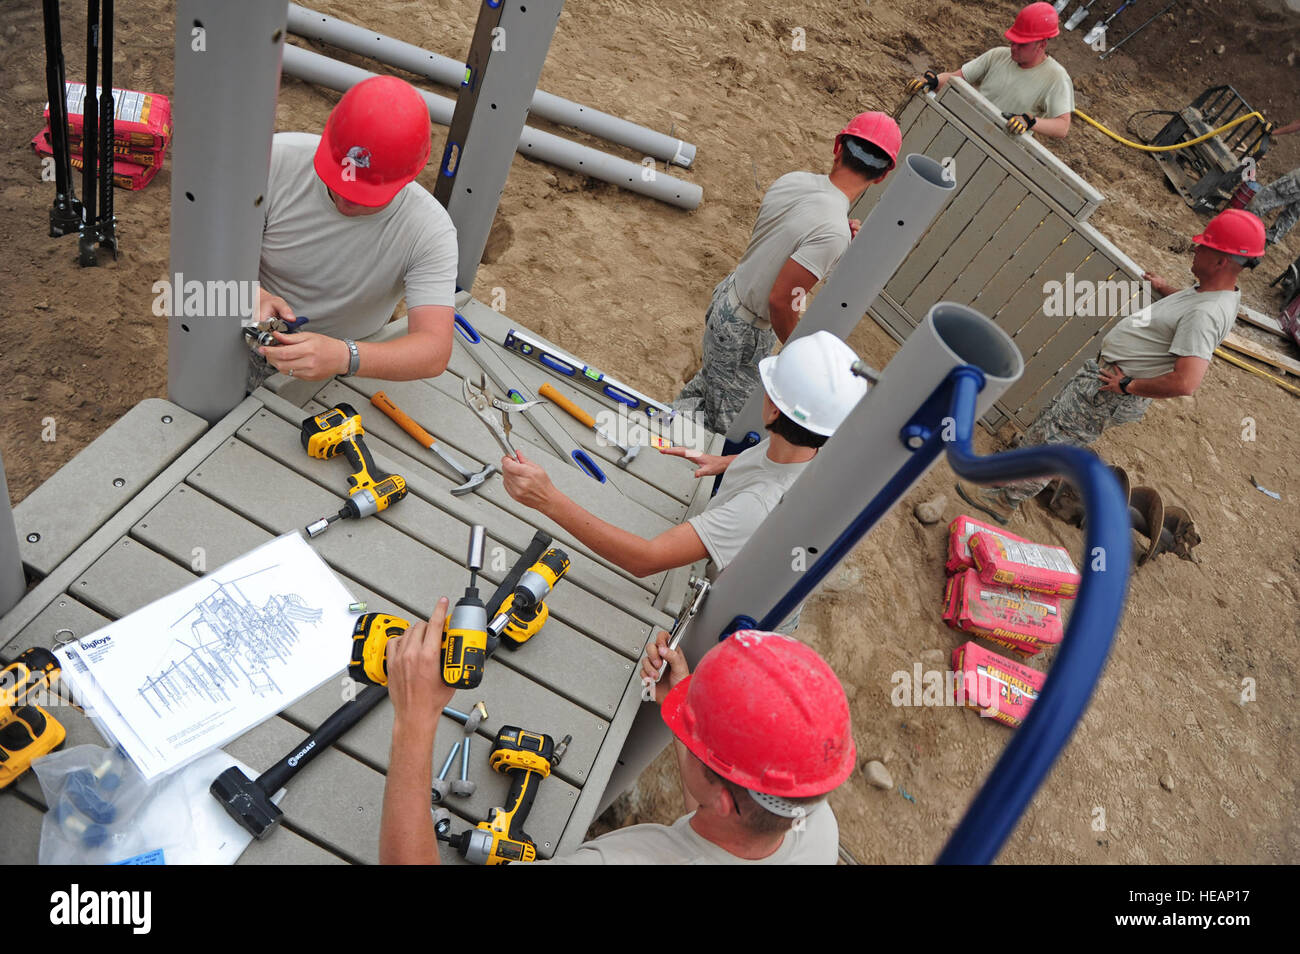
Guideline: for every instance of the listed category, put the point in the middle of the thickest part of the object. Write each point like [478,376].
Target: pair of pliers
[493,411]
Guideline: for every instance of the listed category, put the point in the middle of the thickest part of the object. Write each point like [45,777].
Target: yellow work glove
[923,84]
[1019,123]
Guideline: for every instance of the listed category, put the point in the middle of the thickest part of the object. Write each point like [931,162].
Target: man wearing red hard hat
[802,230]
[1033,91]
[762,736]
[349,233]
[1161,351]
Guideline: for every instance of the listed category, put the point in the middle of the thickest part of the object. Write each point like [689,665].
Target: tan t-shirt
[1188,323]
[678,844]
[347,273]
[802,217]
[1042,90]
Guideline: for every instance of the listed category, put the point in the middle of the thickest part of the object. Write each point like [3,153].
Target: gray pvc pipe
[851,470]
[225,95]
[13,582]
[584,160]
[917,190]
[449,72]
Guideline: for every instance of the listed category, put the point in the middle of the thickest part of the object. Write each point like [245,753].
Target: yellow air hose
[1181,145]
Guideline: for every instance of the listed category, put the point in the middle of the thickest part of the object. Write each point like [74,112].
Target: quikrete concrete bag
[126,175]
[959,532]
[1025,565]
[141,121]
[1000,688]
[1020,620]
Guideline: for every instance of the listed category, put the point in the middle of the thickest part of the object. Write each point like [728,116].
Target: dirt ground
[1179,766]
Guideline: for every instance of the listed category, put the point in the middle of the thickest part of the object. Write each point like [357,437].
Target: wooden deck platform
[160,498]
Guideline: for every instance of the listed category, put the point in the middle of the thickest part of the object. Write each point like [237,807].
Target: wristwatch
[1124,382]
[354,361]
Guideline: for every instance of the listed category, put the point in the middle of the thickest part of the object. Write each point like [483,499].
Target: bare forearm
[1169,385]
[406,835]
[783,317]
[944,77]
[1057,127]
[618,546]
[415,355]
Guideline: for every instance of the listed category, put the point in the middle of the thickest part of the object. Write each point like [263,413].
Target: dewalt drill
[371,490]
[527,757]
[27,731]
[464,634]
[523,613]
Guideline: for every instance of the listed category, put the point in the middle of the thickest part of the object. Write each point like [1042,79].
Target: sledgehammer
[582,417]
[248,801]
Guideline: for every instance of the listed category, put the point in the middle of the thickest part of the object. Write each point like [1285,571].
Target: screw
[446,766]
[464,761]
[33,537]
[119,482]
[166,418]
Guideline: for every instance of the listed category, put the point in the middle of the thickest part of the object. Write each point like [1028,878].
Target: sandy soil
[624,281]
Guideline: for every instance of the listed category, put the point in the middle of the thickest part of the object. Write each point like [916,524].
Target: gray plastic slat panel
[128,576]
[287,848]
[21,824]
[64,613]
[510,697]
[1041,328]
[1021,309]
[135,449]
[600,617]
[1011,278]
[454,424]
[412,574]
[946,144]
[995,210]
[1005,244]
[886,313]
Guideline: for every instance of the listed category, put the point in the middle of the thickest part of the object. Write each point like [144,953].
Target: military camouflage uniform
[1281,193]
[734,343]
[1077,417]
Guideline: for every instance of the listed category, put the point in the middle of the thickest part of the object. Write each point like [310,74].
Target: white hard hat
[811,381]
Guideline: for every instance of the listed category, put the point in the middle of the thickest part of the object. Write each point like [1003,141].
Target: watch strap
[354,357]
[1124,382]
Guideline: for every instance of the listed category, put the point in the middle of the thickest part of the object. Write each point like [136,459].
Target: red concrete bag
[1000,688]
[1022,621]
[141,121]
[959,531]
[1028,566]
[126,175]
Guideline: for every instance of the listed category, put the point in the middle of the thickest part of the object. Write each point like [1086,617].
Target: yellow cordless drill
[523,613]
[371,490]
[27,731]
[527,757]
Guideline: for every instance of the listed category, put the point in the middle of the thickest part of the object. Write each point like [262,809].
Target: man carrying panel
[348,234]
[801,231]
[1031,88]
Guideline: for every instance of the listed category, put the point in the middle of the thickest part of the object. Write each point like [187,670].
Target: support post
[13,582]
[505,62]
[917,190]
[227,74]
[865,468]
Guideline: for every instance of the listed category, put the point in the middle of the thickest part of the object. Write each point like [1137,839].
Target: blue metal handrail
[1033,749]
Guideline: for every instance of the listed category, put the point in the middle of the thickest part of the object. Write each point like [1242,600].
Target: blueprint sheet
[201,666]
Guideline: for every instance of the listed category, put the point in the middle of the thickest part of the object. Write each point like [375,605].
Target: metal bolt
[166,418]
[119,482]
[916,442]
[464,761]
[33,537]
[446,766]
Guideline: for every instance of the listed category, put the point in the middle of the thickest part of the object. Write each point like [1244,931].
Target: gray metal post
[449,72]
[13,582]
[505,62]
[534,143]
[917,190]
[227,75]
[854,467]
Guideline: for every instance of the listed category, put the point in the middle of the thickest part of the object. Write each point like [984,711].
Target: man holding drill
[1033,91]
[1162,351]
[809,390]
[348,234]
[802,230]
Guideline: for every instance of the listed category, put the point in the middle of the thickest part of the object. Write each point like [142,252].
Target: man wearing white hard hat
[809,389]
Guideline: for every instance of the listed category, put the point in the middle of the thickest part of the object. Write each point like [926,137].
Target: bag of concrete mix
[126,175]
[141,121]
[959,532]
[1024,565]
[1000,688]
[1020,620]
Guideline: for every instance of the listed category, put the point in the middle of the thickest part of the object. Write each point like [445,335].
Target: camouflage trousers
[733,346]
[1282,193]
[1077,417]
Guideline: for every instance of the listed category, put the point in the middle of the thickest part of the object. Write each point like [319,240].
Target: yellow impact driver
[527,757]
[27,731]
[523,612]
[371,490]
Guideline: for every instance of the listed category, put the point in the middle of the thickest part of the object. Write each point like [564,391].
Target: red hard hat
[766,712]
[1236,232]
[879,129]
[376,140]
[1038,21]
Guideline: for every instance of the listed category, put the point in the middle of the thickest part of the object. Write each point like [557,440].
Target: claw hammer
[473,480]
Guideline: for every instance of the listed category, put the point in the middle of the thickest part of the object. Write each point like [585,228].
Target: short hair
[796,434]
[878,155]
[757,819]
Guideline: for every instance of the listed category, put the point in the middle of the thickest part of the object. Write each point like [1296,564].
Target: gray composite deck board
[139,446]
[21,824]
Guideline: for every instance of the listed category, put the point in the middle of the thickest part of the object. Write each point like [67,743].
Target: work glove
[924,84]
[1019,123]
